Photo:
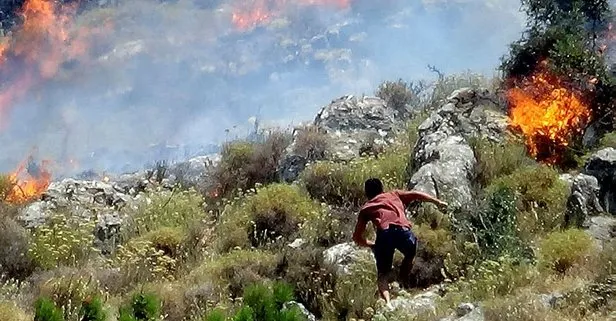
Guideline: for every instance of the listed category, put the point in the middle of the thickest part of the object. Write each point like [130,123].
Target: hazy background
[181,74]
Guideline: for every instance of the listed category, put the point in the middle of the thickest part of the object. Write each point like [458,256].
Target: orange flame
[548,114]
[36,50]
[259,12]
[28,183]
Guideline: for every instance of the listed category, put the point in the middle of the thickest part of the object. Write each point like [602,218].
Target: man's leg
[384,256]
[408,247]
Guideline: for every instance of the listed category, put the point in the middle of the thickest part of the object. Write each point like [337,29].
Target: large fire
[38,47]
[548,114]
[249,14]
[29,181]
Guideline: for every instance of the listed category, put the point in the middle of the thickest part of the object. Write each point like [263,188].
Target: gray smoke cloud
[181,74]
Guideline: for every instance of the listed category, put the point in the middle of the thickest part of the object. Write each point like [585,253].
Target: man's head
[373,187]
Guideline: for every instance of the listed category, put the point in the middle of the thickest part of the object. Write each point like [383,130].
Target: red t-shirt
[386,208]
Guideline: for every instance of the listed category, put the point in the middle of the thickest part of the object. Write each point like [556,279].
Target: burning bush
[557,79]
[549,115]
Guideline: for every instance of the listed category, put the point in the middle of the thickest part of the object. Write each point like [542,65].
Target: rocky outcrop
[352,124]
[342,256]
[583,202]
[602,165]
[442,156]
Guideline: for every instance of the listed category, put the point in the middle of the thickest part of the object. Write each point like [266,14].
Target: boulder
[601,228]
[583,202]
[466,312]
[87,200]
[443,160]
[352,125]
[602,165]
[351,122]
[410,306]
[342,256]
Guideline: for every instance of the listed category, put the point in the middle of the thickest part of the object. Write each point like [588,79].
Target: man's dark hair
[373,187]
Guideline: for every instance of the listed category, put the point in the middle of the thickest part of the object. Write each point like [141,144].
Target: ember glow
[548,114]
[30,181]
[249,14]
[37,48]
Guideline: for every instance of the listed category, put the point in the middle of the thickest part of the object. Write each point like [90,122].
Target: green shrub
[143,307]
[92,310]
[562,250]
[141,261]
[541,198]
[273,214]
[353,293]
[169,240]
[179,209]
[494,224]
[244,164]
[232,272]
[63,240]
[312,279]
[69,291]
[311,143]
[14,243]
[493,278]
[495,160]
[608,140]
[343,184]
[266,304]
[46,310]
[216,315]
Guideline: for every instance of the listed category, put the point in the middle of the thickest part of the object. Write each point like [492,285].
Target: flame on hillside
[548,114]
[250,14]
[37,48]
[29,181]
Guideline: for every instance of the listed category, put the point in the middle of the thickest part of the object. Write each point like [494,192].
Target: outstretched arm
[358,234]
[409,196]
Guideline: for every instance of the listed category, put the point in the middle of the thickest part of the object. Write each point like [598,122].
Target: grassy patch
[495,160]
[157,210]
[562,250]
[540,199]
[232,272]
[63,240]
[273,214]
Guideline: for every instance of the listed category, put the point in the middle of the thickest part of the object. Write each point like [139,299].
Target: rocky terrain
[197,253]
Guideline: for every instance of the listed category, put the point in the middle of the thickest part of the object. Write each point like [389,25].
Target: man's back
[385,209]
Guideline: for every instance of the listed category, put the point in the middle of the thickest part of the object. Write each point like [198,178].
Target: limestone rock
[602,165]
[442,156]
[601,228]
[342,256]
[353,121]
[411,306]
[583,201]
[352,125]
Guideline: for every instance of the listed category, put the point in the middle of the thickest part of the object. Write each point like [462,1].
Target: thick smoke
[180,74]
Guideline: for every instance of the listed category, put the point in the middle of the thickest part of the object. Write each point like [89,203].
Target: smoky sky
[180,74]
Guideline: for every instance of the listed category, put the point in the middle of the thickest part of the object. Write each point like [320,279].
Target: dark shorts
[387,241]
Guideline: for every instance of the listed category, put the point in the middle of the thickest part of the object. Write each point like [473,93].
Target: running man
[386,211]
